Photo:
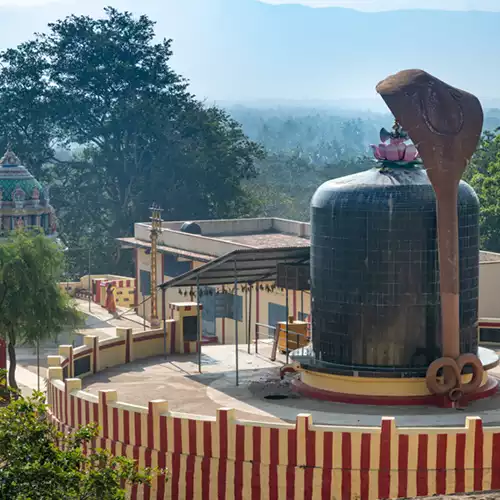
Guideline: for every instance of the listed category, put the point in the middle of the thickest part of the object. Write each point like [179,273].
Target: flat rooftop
[222,236]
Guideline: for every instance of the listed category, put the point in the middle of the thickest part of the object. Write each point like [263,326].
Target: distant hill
[246,51]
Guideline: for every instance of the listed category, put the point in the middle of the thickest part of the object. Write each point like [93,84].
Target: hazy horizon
[248,51]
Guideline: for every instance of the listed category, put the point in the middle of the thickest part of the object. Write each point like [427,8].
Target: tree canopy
[483,173]
[38,462]
[32,304]
[105,89]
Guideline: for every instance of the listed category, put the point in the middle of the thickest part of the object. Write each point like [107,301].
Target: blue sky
[384,5]
[245,50]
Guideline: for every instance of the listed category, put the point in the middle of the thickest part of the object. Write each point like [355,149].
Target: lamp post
[156,221]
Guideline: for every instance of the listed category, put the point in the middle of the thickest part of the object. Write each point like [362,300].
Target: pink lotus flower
[396,150]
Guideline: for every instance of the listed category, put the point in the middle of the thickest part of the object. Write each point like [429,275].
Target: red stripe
[72,408]
[115,424]
[257,304]
[172,337]
[162,464]
[176,465]
[326,488]
[489,324]
[96,412]
[190,468]
[79,410]
[151,430]
[292,461]
[205,474]
[147,459]
[164,434]
[422,470]
[310,461]
[136,458]
[478,456]
[127,346]
[346,466]
[111,344]
[223,454]
[136,255]
[105,425]
[137,428]
[495,463]
[310,446]
[207,439]
[384,474]
[365,467]
[403,447]
[442,444]
[95,351]
[126,426]
[186,348]
[87,413]
[192,436]
[66,413]
[177,435]
[460,464]
[240,458]
[274,459]
[256,460]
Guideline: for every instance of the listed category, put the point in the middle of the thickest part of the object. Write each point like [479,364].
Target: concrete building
[180,250]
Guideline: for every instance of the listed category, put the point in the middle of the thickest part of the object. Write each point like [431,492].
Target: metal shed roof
[247,265]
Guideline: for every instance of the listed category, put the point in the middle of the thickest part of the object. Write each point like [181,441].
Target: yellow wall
[489,290]
[277,296]
[210,458]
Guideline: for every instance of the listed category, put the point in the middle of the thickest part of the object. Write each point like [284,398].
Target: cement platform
[260,394]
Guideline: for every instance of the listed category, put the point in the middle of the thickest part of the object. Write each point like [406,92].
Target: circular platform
[380,389]
[177,380]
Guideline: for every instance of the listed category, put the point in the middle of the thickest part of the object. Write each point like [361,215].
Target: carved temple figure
[445,124]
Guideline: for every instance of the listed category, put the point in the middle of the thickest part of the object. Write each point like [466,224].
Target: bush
[38,462]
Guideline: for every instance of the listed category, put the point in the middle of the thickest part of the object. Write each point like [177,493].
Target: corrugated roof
[245,265]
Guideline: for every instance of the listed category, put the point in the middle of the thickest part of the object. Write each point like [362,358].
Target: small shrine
[23,200]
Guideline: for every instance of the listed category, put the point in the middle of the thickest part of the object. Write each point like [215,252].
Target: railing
[270,333]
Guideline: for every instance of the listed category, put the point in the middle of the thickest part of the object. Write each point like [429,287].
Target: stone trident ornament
[445,124]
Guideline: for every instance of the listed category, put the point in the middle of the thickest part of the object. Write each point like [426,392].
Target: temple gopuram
[23,200]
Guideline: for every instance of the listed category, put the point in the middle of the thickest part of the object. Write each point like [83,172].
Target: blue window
[172,267]
[145,282]
[229,306]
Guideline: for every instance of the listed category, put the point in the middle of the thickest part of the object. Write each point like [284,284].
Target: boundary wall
[224,458]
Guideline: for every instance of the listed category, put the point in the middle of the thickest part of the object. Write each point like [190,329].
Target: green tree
[32,305]
[105,87]
[38,462]
[483,173]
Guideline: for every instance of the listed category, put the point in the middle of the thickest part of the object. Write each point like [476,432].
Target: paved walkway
[178,381]
[97,322]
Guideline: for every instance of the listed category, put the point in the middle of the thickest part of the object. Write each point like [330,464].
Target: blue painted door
[208,311]
[276,313]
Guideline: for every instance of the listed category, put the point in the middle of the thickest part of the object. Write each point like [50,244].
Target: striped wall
[224,458]
[99,354]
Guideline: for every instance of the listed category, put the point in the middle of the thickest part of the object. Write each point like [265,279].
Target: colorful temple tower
[23,200]
[23,203]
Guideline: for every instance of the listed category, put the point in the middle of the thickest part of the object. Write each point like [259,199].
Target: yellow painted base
[371,386]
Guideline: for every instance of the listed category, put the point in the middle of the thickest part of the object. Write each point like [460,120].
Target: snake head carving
[444,123]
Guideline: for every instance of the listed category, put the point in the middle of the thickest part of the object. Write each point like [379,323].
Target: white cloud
[381,5]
